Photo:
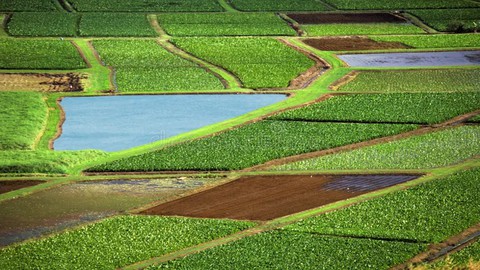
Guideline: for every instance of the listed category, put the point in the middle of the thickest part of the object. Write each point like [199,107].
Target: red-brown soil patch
[321,18]
[269,197]
[68,82]
[353,43]
[7,186]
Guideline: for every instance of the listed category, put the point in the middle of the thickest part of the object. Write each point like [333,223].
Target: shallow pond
[120,122]
[412,59]
[72,204]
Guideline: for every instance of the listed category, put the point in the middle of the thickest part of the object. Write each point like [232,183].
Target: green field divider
[227,6]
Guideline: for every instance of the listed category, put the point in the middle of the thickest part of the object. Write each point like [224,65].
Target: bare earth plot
[7,186]
[351,43]
[69,82]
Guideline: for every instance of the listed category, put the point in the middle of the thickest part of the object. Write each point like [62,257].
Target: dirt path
[344,80]
[59,124]
[440,250]
[82,54]
[152,19]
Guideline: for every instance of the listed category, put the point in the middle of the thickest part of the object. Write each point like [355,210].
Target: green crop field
[38,24]
[402,4]
[27,5]
[434,41]
[115,25]
[145,5]
[417,108]
[341,29]
[224,24]
[282,250]
[426,213]
[144,66]
[466,258]
[116,242]
[45,161]
[461,20]
[430,150]
[254,144]
[279,5]
[258,63]
[23,116]
[39,54]
[428,81]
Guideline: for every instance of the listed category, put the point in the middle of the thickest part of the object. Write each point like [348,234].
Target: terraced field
[324,166]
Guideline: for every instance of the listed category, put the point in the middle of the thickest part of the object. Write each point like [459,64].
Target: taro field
[220,134]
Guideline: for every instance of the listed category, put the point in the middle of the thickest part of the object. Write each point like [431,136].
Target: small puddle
[69,205]
[413,59]
[113,123]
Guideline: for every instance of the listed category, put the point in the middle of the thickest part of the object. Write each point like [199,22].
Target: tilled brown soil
[353,43]
[69,82]
[322,18]
[7,186]
[269,197]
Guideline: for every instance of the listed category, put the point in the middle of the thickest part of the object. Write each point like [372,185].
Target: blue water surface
[412,59]
[113,123]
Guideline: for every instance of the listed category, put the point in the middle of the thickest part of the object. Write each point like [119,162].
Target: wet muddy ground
[7,186]
[69,205]
[69,82]
[269,197]
[351,44]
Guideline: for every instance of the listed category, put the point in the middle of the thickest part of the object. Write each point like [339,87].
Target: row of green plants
[418,108]
[293,250]
[146,5]
[144,66]
[28,5]
[36,24]
[429,212]
[432,150]
[251,145]
[428,81]
[401,4]
[279,5]
[224,24]
[23,116]
[459,20]
[341,29]
[116,242]
[39,54]
[434,41]
[466,258]
[257,62]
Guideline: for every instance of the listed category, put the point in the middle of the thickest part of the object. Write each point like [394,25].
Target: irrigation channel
[113,123]
[412,59]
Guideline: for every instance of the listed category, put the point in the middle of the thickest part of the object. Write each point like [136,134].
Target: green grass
[116,242]
[434,41]
[146,5]
[45,161]
[39,54]
[287,250]
[430,150]
[428,81]
[341,29]
[27,5]
[144,66]
[279,5]
[430,212]
[458,20]
[116,25]
[23,116]
[475,119]
[257,62]
[417,108]
[224,24]
[401,4]
[251,145]
[459,259]
[39,24]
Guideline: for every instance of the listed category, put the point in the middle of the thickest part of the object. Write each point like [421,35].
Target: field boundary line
[225,4]
[39,136]
[229,80]
[417,22]
[153,20]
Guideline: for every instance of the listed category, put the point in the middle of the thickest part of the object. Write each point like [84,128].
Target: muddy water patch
[58,208]
[120,122]
[269,197]
[413,59]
